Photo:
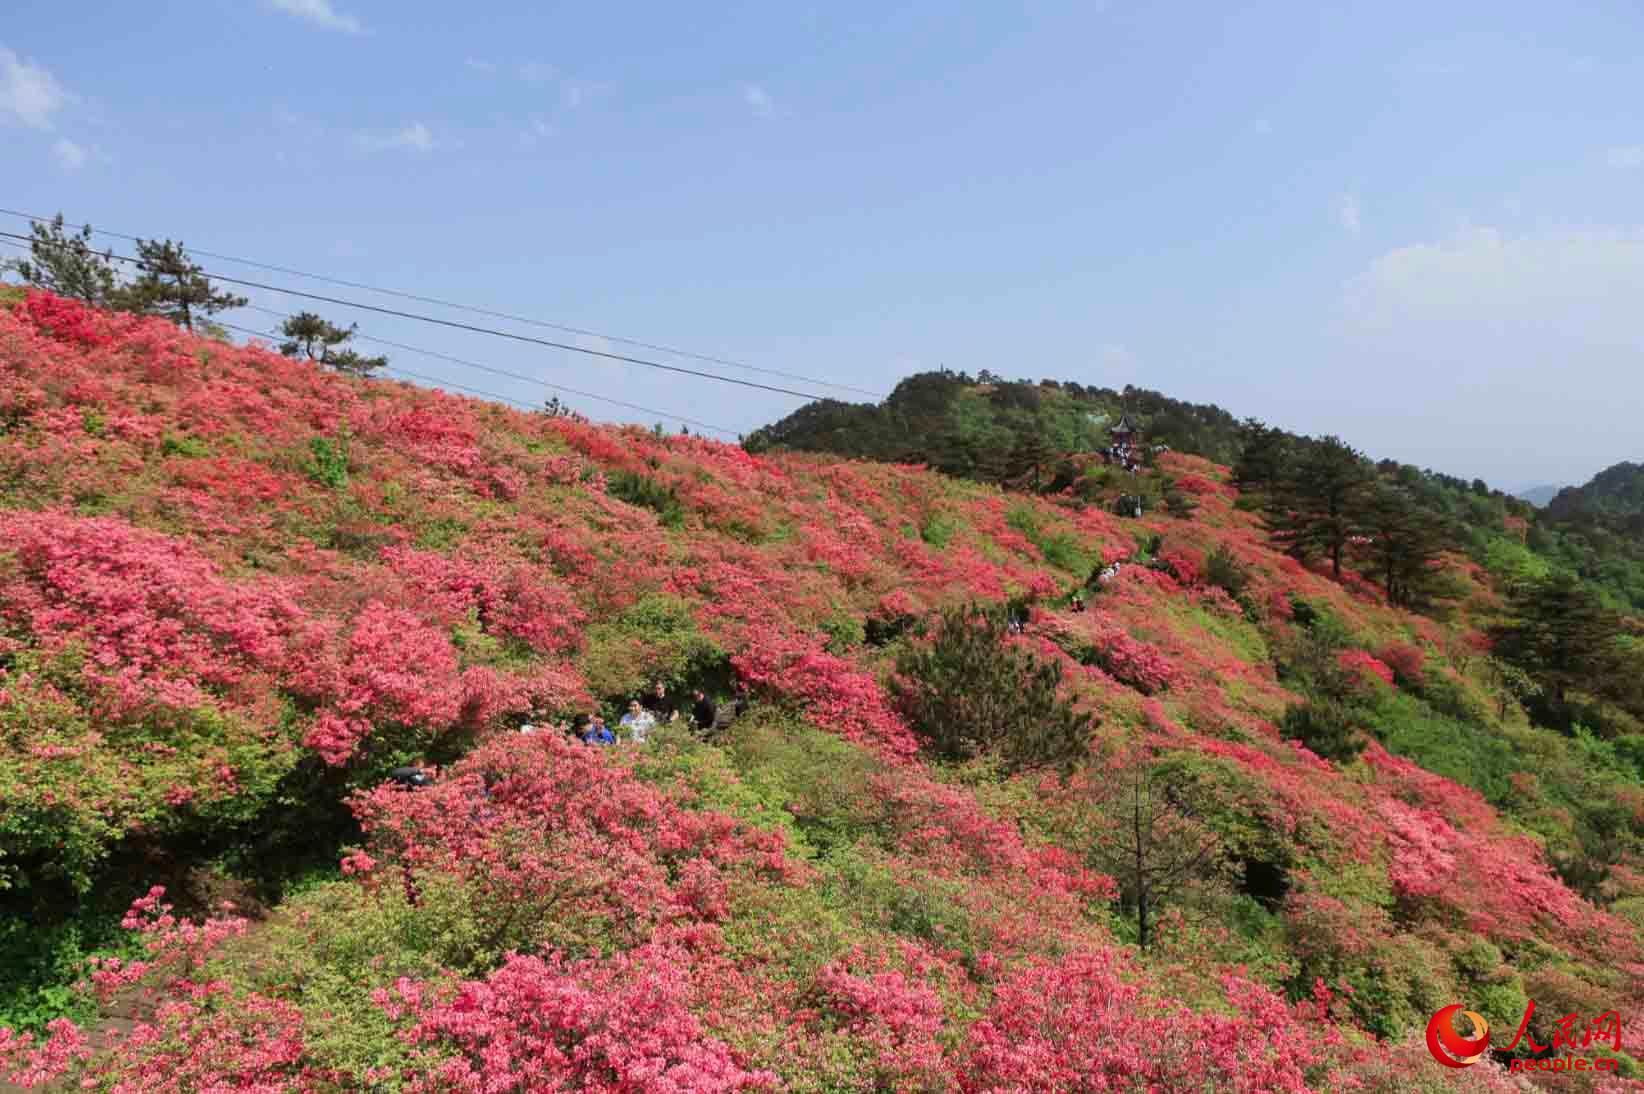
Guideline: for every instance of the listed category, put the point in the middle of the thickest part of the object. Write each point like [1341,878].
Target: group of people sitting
[646,712]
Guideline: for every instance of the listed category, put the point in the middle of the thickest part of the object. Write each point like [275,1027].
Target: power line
[472,328]
[495,372]
[477,310]
[653,412]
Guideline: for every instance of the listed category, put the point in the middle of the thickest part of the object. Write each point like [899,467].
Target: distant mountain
[1538,495]
[1614,498]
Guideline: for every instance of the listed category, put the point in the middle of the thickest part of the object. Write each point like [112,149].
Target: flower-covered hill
[236,591]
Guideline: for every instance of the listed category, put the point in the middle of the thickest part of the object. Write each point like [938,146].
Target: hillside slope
[1616,493]
[235,591]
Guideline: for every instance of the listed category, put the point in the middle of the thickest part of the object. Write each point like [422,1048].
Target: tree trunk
[1141,871]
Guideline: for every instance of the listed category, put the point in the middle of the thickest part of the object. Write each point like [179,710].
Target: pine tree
[67,265]
[1030,460]
[1560,634]
[1316,506]
[969,694]
[1405,541]
[173,285]
[1264,457]
[309,336]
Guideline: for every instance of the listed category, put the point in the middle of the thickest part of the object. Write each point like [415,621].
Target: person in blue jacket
[598,733]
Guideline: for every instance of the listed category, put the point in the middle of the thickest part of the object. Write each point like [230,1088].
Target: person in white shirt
[638,722]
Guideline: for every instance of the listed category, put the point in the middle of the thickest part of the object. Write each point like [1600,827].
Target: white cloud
[1583,283]
[415,137]
[69,155]
[1514,354]
[758,100]
[1629,157]
[28,92]
[1347,213]
[320,13]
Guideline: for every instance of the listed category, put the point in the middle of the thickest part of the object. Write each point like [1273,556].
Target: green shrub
[327,462]
[1223,569]
[845,632]
[182,444]
[820,781]
[1061,549]
[655,639]
[968,694]
[645,491]
[1466,752]
[938,530]
[1327,728]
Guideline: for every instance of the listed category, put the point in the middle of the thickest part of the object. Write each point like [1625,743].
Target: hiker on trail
[1078,604]
[638,722]
[704,711]
[657,702]
[414,777]
[598,733]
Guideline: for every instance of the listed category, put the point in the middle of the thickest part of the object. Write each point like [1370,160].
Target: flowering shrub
[833,692]
[551,1024]
[69,320]
[1135,663]
[1362,667]
[1083,1023]
[1186,564]
[1407,663]
[208,634]
[549,843]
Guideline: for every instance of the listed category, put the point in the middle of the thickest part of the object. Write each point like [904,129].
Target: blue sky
[1415,225]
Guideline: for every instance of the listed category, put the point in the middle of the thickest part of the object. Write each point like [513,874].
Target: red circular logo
[1449,1047]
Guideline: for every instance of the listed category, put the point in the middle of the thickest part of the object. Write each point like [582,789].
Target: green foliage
[184,445]
[441,533]
[820,781]
[172,285]
[968,694]
[1223,569]
[327,461]
[1179,504]
[335,944]
[644,491]
[1263,456]
[995,430]
[42,959]
[1464,751]
[708,774]
[918,904]
[1061,549]
[1513,561]
[1562,636]
[845,632]
[655,639]
[1404,544]
[1329,729]
[65,263]
[308,336]
[1314,509]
